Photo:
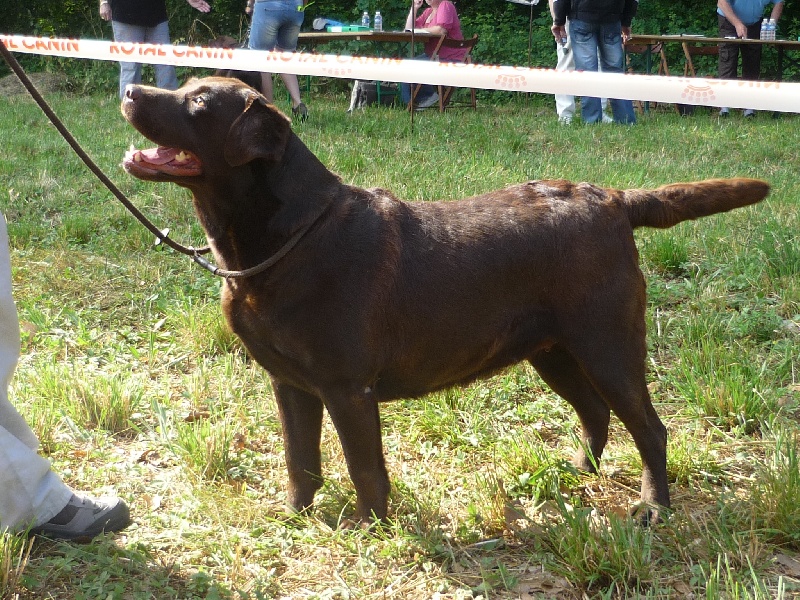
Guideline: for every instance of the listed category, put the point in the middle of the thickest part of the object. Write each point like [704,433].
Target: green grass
[134,384]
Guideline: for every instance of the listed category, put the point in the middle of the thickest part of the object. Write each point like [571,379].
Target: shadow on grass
[107,569]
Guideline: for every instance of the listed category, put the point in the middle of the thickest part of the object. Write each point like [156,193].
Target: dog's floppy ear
[259,132]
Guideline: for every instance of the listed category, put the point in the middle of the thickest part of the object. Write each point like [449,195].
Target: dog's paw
[649,514]
[368,524]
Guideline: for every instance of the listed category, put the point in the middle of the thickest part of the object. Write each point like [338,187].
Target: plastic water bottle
[773,29]
[378,22]
[365,20]
[764,29]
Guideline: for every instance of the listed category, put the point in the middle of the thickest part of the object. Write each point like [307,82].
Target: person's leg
[583,37]
[30,493]
[751,60]
[287,40]
[129,72]
[293,87]
[425,91]
[565,103]
[267,88]
[603,101]
[276,26]
[751,55]
[612,60]
[264,28]
[728,64]
[166,77]
[728,61]
[405,92]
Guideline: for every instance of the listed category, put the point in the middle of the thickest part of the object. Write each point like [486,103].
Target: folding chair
[446,92]
[643,49]
[648,52]
[690,50]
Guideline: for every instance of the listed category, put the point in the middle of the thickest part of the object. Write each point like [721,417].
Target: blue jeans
[276,24]
[594,46]
[131,72]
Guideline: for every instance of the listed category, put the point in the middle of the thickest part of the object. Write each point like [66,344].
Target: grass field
[135,386]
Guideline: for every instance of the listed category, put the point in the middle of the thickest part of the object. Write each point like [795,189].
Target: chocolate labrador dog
[359,297]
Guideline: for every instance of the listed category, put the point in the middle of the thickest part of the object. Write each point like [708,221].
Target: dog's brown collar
[262,266]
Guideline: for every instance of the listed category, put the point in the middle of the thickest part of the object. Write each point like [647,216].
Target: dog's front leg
[301,418]
[357,420]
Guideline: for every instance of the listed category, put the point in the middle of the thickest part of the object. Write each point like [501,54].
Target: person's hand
[418,4]
[200,5]
[741,30]
[626,34]
[559,32]
[105,11]
[248,9]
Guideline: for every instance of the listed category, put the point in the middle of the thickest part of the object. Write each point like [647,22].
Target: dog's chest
[274,340]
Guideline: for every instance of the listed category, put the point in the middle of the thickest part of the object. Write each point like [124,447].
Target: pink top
[447,17]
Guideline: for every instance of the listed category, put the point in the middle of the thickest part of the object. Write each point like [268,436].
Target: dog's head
[202,130]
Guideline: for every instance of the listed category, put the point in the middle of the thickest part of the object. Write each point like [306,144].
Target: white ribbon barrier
[761,95]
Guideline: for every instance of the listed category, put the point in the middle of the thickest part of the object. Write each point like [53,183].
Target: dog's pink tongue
[159,156]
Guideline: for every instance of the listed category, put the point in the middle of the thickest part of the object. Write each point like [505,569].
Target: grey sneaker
[301,112]
[427,102]
[84,518]
[748,113]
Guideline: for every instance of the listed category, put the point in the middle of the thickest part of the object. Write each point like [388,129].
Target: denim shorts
[275,24]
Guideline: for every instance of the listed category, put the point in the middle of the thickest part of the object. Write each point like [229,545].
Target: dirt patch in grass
[46,83]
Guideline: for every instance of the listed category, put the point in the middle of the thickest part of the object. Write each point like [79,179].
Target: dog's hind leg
[613,359]
[564,376]
[301,419]
[630,401]
[357,421]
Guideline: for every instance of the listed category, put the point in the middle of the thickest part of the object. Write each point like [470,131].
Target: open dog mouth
[162,161]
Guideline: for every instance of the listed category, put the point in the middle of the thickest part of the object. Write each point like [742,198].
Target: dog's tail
[671,204]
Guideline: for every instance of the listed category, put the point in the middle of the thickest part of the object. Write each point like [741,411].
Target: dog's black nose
[132,92]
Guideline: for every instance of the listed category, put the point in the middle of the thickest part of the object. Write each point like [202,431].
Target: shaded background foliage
[509,33]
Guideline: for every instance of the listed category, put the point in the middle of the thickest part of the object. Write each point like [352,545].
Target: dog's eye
[199,101]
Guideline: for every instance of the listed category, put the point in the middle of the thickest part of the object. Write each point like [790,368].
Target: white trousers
[565,105]
[30,492]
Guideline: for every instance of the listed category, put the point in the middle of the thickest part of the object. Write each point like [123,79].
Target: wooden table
[782,46]
[315,38]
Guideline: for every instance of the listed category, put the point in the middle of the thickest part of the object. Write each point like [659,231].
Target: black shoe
[85,517]
[300,111]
